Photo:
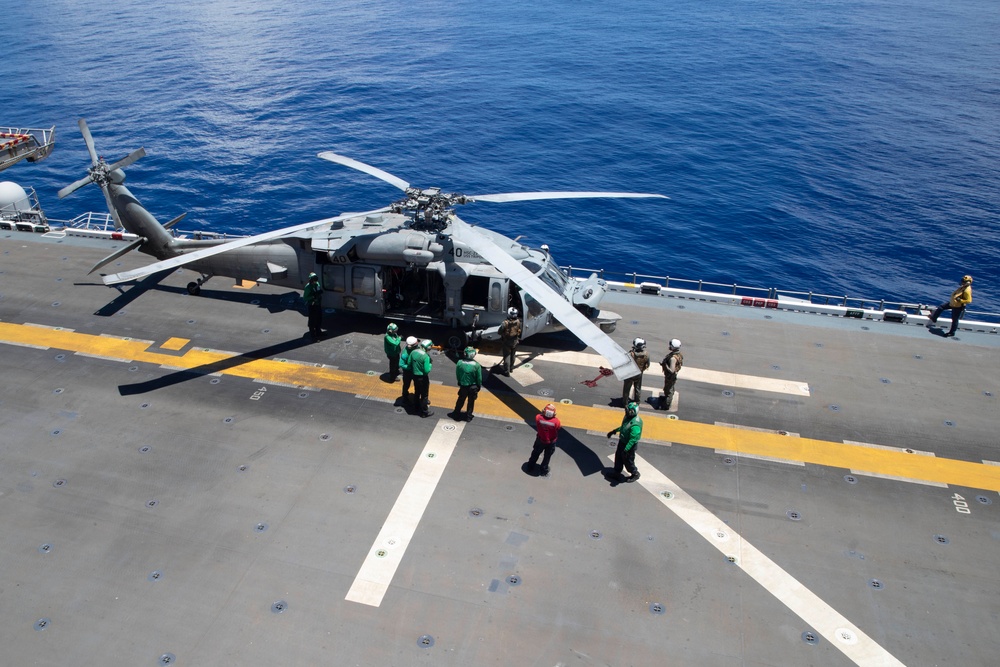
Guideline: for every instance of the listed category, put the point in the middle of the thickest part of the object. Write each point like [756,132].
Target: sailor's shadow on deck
[215,367]
[586,459]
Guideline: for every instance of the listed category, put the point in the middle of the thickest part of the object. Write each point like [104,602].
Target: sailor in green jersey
[469,374]
[313,296]
[392,341]
[420,366]
[404,366]
[628,441]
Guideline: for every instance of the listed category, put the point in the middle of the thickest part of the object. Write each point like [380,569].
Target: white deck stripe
[738,381]
[820,616]
[380,566]
[688,373]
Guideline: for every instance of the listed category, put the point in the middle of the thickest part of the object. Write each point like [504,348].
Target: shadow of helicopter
[273,303]
[125,297]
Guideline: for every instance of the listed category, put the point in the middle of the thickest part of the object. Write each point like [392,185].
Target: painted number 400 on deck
[961,506]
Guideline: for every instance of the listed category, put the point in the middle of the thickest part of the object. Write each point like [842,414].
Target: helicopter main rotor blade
[195,255]
[85,131]
[528,196]
[73,187]
[128,159]
[555,303]
[366,168]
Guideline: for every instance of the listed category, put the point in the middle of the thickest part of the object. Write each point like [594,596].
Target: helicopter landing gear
[456,340]
[194,287]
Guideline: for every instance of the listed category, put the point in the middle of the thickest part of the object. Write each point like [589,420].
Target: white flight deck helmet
[675,344]
[512,312]
[411,341]
[426,344]
[639,344]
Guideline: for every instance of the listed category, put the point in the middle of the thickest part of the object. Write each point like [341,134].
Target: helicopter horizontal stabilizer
[195,255]
[118,253]
[561,309]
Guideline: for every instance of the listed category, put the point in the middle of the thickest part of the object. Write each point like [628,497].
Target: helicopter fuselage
[388,265]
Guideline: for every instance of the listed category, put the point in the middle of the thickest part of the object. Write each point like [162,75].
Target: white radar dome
[13,196]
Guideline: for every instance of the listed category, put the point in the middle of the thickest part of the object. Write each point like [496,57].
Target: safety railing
[734,289]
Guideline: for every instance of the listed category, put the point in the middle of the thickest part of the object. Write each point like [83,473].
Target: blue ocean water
[847,147]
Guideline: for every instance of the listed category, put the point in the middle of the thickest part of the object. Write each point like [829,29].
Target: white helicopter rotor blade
[528,196]
[195,255]
[89,140]
[366,168]
[76,185]
[128,159]
[555,303]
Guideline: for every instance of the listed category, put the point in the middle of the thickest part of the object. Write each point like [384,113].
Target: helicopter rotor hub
[429,208]
[100,173]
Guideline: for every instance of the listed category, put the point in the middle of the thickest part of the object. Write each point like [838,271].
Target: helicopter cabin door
[415,292]
[534,315]
[355,287]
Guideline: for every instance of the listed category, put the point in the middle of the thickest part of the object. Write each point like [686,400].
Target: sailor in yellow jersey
[960,298]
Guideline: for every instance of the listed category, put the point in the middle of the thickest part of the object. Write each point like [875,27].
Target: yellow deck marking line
[969,474]
[688,373]
[379,567]
[895,478]
[175,344]
[824,619]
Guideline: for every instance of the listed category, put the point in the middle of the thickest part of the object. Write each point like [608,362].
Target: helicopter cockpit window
[333,277]
[531,265]
[363,281]
[549,274]
[554,278]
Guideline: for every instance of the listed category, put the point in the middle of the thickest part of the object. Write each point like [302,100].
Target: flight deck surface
[188,480]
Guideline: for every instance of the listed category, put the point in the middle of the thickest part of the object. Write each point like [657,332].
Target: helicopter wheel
[456,339]
[193,288]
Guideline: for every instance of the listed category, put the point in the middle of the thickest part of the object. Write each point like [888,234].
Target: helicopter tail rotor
[101,172]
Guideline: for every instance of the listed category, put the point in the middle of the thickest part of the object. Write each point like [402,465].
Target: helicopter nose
[590,292]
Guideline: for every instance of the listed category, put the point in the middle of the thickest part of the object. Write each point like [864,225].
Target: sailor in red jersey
[548,431]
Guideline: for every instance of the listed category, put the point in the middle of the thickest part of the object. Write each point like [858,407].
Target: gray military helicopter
[413,260]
